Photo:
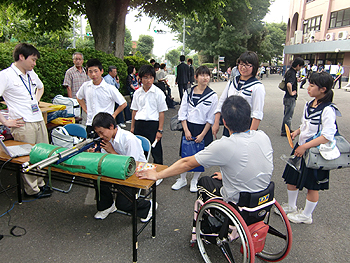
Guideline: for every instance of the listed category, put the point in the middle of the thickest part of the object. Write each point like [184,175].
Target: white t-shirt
[99,98]
[245,160]
[126,143]
[148,104]
[20,95]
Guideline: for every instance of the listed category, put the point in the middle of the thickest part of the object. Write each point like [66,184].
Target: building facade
[319,32]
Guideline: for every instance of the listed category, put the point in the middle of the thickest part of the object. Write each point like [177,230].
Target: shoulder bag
[314,159]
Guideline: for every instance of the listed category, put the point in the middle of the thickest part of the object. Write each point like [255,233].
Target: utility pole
[183,36]
[73,33]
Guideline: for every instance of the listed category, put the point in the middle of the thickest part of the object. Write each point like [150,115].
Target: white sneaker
[193,187]
[144,220]
[159,181]
[179,184]
[287,209]
[103,214]
[298,217]
[129,121]
[122,125]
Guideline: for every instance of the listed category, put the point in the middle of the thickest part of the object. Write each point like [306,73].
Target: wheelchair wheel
[279,237]
[222,234]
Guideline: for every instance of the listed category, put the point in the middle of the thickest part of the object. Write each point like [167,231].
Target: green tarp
[111,165]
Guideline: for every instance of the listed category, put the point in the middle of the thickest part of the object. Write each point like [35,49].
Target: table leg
[134,225]
[19,185]
[154,212]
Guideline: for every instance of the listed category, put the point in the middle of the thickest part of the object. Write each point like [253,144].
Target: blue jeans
[289,105]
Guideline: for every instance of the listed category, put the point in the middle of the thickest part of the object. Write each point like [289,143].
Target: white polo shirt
[148,104]
[126,143]
[20,95]
[99,98]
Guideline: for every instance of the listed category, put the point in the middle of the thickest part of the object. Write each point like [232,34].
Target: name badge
[35,108]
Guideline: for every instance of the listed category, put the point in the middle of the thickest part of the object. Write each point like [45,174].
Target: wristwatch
[160,131]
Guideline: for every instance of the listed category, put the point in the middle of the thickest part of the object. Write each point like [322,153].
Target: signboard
[221,59]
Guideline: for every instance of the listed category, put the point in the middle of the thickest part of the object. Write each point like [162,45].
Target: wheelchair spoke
[225,248]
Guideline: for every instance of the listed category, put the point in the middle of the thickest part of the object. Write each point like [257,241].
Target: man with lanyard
[290,97]
[22,89]
[340,72]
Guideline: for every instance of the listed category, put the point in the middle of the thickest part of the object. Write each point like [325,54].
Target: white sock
[292,198]
[196,176]
[183,176]
[309,207]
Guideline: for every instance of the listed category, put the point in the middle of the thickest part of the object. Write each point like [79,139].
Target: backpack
[72,105]
[61,137]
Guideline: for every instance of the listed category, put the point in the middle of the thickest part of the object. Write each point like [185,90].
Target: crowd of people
[244,153]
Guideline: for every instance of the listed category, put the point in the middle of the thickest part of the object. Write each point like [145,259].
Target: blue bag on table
[189,148]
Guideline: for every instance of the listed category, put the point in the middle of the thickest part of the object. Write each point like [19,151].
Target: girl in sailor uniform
[319,116]
[196,114]
[247,86]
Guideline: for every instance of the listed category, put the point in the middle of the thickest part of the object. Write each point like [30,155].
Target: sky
[279,11]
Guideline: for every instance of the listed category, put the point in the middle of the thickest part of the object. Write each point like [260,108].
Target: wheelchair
[227,232]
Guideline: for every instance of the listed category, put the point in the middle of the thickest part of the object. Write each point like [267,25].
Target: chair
[146,146]
[222,224]
[76,130]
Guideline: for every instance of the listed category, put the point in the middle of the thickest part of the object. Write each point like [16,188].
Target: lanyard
[28,88]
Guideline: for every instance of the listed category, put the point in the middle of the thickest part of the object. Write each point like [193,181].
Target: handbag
[282,85]
[175,124]
[189,148]
[316,159]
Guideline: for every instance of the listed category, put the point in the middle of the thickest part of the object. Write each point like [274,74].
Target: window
[340,18]
[308,1]
[312,24]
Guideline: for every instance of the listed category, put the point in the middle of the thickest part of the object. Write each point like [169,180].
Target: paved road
[62,228]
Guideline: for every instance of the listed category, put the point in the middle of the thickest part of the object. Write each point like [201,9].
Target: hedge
[53,63]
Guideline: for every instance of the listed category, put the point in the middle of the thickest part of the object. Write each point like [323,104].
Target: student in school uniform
[196,114]
[148,106]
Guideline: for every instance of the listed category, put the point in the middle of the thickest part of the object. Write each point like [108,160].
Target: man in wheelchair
[240,224]
[244,158]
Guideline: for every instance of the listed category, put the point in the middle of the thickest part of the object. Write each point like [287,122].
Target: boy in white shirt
[118,141]
[148,106]
[96,95]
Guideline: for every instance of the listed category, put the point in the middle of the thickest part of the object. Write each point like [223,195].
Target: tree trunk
[107,21]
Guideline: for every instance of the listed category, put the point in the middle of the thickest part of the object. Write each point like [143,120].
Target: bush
[53,64]
[136,61]
[210,65]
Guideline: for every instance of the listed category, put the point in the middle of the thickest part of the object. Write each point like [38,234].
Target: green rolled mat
[111,165]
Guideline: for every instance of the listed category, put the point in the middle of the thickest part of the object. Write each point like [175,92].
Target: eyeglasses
[245,65]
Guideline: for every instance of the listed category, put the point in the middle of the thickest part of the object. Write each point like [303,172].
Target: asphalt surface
[62,228]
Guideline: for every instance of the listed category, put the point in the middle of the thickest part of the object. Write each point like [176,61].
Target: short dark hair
[182,58]
[103,120]
[156,65]
[162,66]
[298,62]
[110,68]
[190,60]
[147,70]
[323,79]
[94,62]
[202,70]
[152,61]
[236,113]
[251,58]
[130,69]
[26,50]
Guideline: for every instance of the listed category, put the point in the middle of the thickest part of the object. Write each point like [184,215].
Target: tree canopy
[242,30]
[107,17]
